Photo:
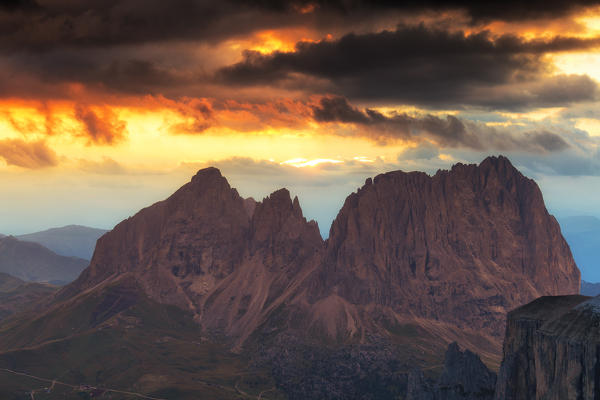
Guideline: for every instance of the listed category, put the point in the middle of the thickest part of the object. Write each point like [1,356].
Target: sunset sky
[108,106]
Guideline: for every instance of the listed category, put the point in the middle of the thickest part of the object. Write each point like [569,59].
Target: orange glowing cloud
[272,40]
[32,155]
[100,125]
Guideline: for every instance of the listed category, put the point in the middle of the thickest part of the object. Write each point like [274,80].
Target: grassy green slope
[117,338]
[17,295]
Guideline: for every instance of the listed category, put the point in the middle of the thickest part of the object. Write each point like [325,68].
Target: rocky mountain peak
[465,245]
[277,213]
[207,174]
[201,228]
[208,189]
[498,163]
[279,229]
[209,180]
[208,250]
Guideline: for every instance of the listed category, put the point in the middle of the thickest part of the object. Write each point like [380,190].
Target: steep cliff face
[463,247]
[551,350]
[282,249]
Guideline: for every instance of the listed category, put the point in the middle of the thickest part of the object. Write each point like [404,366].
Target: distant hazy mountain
[590,289]
[17,295]
[72,240]
[34,263]
[583,235]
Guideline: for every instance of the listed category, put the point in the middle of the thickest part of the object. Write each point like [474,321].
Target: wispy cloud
[31,155]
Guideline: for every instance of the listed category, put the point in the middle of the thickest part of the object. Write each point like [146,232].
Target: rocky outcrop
[551,350]
[464,377]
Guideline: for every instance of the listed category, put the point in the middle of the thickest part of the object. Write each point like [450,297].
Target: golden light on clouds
[446,157]
[590,20]
[364,159]
[282,40]
[160,130]
[416,87]
[269,41]
[152,137]
[587,63]
[303,162]
[591,126]
[533,115]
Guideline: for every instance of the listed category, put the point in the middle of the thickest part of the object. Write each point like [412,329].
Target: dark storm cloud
[511,10]
[450,131]
[338,109]
[27,24]
[548,141]
[18,5]
[56,23]
[113,45]
[424,66]
[27,75]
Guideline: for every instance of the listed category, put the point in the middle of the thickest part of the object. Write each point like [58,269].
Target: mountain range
[70,241]
[590,289]
[33,262]
[209,281]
